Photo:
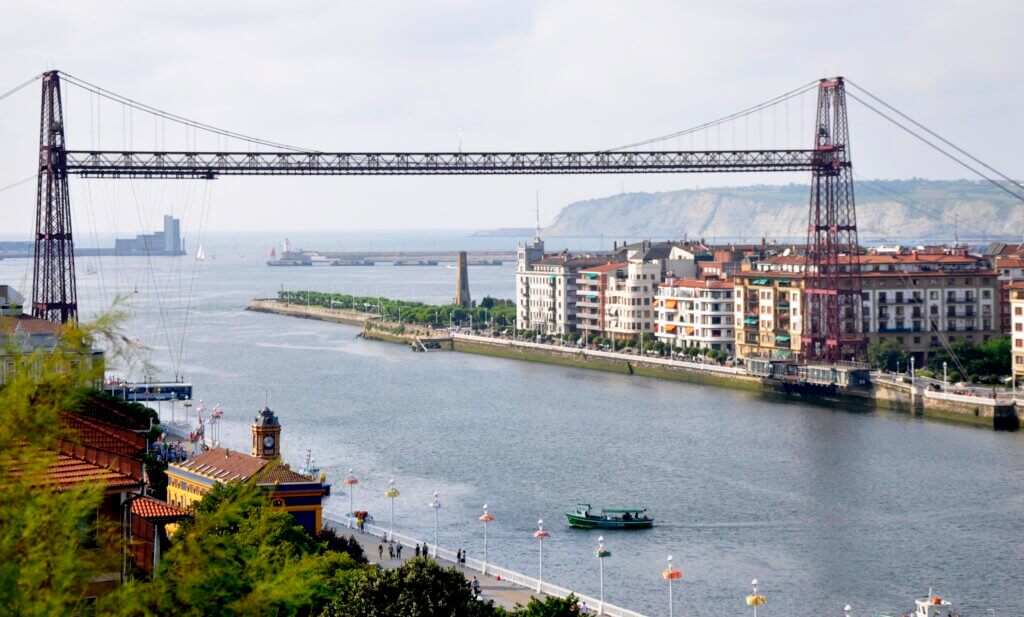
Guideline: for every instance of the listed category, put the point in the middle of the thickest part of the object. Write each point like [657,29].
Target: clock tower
[266,435]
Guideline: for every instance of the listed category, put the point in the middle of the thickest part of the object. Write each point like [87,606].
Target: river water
[824,505]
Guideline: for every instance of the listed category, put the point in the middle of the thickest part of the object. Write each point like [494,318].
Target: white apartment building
[1017,330]
[692,313]
[616,300]
[546,288]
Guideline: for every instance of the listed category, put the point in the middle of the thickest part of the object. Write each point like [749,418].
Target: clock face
[268,441]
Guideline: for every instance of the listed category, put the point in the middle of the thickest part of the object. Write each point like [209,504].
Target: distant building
[296,493]
[693,313]
[167,242]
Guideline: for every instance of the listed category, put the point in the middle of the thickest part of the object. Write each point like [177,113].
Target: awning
[782,338]
[670,303]
[785,281]
[590,275]
[688,329]
[591,296]
[759,282]
[670,327]
[750,321]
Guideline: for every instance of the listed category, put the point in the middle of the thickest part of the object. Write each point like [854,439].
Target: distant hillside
[886,209]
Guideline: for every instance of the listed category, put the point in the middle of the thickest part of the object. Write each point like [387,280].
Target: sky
[524,75]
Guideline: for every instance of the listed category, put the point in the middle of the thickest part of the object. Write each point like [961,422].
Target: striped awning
[782,338]
[670,327]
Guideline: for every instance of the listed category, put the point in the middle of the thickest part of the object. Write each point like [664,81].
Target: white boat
[200,254]
[931,605]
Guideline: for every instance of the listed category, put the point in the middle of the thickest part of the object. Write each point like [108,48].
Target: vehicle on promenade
[585,517]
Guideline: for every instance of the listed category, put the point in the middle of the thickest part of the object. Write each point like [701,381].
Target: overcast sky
[587,74]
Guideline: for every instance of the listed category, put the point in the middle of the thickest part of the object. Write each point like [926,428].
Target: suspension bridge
[831,320]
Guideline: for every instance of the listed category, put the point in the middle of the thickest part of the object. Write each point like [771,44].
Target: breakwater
[991,412]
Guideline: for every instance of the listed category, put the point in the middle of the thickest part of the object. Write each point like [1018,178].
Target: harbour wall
[885,394]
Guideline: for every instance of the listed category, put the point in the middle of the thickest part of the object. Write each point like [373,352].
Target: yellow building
[768,317]
[293,492]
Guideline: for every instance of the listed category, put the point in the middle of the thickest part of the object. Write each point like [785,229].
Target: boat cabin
[934,606]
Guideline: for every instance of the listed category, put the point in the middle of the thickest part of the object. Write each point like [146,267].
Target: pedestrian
[391,551]
[380,552]
[458,556]
[476,587]
[417,550]
[463,556]
[425,552]
[583,609]
[398,551]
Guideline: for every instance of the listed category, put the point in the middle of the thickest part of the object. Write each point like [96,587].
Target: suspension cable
[938,148]
[17,88]
[113,96]
[734,116]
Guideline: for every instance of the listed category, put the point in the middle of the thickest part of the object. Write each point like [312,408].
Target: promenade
[505,587]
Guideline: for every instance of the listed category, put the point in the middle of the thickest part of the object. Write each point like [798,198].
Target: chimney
[227,452]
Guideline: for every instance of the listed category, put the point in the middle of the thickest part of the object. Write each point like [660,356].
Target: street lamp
[847,611]
[540,534]
[436,505]
[351,482]
[756,599]
[601,553]
[945,379]
[485,518]
[391,493]
[670,574]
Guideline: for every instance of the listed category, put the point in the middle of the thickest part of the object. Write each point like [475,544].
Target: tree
[550,607]
[886,354]
[419,587]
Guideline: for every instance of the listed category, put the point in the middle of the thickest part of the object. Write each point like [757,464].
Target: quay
[883,391]
[476,258]
[505,587]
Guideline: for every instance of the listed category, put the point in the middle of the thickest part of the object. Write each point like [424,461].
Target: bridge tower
[832,325]
[54,296]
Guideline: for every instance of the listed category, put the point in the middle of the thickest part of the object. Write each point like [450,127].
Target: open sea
[824,505]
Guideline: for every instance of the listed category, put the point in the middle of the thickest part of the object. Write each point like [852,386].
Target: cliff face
[901,209]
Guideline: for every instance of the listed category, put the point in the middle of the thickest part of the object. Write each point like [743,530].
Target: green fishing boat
[609,518]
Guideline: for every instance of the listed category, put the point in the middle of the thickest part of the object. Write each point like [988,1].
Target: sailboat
[200,254]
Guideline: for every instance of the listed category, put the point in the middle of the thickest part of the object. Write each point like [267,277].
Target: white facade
[546,289]
[691,313]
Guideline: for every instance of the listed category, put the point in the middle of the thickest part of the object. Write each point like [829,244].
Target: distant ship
[200,254]
[289,256]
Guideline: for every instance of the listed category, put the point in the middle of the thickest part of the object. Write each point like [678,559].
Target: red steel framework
[831,326]
[831,319]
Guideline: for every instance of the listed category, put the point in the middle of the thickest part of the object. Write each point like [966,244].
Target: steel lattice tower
[832,306]
[54,296]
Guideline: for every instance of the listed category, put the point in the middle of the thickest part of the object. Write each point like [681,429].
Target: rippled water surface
[825,505]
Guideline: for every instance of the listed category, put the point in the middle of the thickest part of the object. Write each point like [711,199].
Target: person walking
[463,556]
[425,552]
[476,587]
[417,550]
[398,551]
[458,556]
[380,552]
[391,551]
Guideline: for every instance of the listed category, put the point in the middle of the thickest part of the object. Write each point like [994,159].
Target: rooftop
[707,284]
[156,511]
[607,267]
[26,324]
[222,465]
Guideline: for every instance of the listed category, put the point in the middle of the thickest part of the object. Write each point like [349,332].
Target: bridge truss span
[209,165]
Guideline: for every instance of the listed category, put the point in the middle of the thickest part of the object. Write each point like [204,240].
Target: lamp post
[436,505]
[945,379]
[540,534]
[670,574]
[485,518]
[913,374]
[756,599]
[601,553]
[351,482]
[391,493]
[847,611]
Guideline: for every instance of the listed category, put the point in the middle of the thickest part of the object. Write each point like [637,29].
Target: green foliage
[334,541]
[420,587]
[985,363]
[550,607]
[502,312]
[885,354]
[50,542]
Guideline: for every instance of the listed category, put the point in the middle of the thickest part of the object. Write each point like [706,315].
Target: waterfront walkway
[505,587]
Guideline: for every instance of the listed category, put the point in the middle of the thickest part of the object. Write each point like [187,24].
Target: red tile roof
[156,511]
[27,324]
[221,465]
[103,436]
[608,267]
[280,474]
[1009,262]
[70,472]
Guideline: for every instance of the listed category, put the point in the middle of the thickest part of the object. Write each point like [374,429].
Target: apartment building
[546,288]
[767,316]
[616,300]
[919,301]
[1016,290]
[695,313]
[1009,269]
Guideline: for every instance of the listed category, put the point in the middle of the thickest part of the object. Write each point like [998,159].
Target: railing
[489,569]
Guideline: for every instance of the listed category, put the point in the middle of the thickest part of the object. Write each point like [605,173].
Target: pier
[475,258]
